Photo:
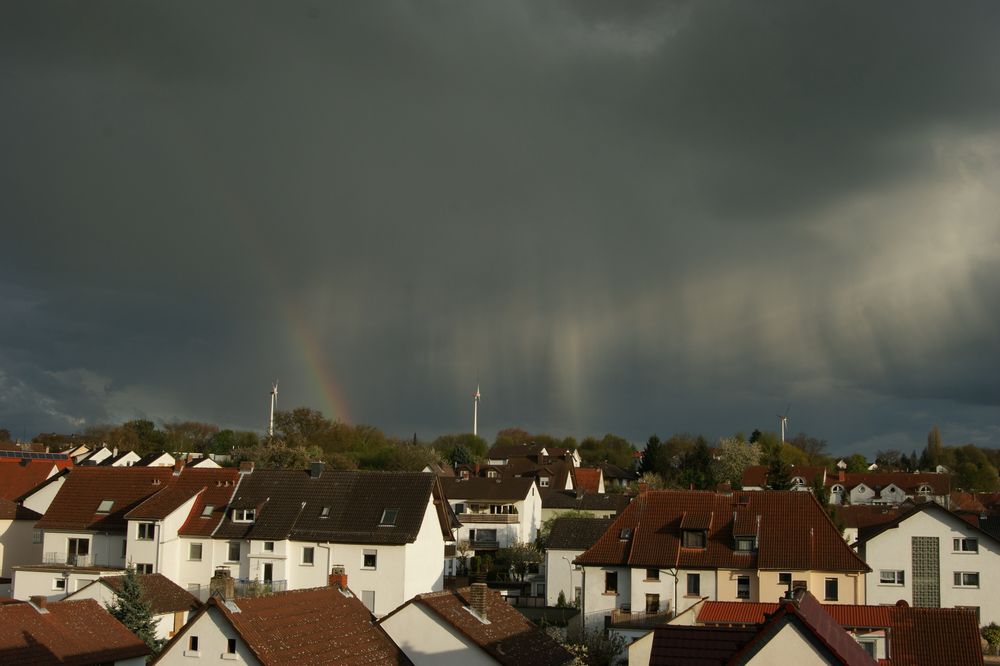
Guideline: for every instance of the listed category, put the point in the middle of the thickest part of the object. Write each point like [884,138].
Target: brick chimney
[178,467]
[246,467]
[840,476]
[222,583]
[338,577]
[477,598]
[39,601]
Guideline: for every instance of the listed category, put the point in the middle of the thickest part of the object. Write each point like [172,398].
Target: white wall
[212,630]
[41,581]
[423,559]
[891,550]
[597,604]
[105,549]
[429,641]
[16,547]
[789,646]
[106,596]
[40,500]
[561,576]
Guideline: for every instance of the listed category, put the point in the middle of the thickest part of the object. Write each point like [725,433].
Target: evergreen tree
[130,609]
[651,456]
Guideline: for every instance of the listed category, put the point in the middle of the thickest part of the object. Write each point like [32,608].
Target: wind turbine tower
[784,422]
[274,401]
[475,412]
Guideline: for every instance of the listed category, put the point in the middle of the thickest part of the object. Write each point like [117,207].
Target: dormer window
[798,481]
[838,489]
[693,539]
[324,512]
[924,490]
[464,474]
[491,474]
[543,481]
[745,544]
[244,515]
[105,506]
[206,511]
[388,518]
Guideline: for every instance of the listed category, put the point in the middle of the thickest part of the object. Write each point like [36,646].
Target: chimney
[39,601]
[475,469]
[178,466]
[477,599]
[840,476]
[246,467]
[315,470]
[338,577]
[222,583]
[114,452]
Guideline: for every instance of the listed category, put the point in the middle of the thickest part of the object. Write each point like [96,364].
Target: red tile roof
[14,511]
[312,626]
[846,615]
[678,645]
[587,479]
[910,482]
[19,476]
[934,637]
[794,533]
[162,594]
[508,636]
[860,516]
[70,633]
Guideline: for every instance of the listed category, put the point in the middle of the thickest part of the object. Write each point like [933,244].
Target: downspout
[329,557]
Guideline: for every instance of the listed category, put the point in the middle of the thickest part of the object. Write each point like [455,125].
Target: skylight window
[389,517]
[105,506]
[324,512]
[626,533]
[207,510]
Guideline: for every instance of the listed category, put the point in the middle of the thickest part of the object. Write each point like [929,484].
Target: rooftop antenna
[475,412]
[274,401]
[784,422]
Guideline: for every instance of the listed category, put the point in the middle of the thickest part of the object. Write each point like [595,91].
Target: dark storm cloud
[620,217]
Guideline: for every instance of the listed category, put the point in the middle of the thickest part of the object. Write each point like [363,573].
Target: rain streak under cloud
[663,217]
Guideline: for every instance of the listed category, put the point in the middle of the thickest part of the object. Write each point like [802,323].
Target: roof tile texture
[162,594]
[795,533]
[16,478]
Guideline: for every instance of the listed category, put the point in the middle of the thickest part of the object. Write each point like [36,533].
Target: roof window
[207,510]
[244,515]
[388,517]
[324,512]
[105,506]
[625,534]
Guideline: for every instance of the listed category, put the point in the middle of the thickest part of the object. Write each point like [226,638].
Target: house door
[77,551]
[268,572]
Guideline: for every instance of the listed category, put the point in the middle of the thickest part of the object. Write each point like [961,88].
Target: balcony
[245,587]
[69,559]
[500,518]
[625,619]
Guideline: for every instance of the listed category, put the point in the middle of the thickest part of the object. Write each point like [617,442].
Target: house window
[744,544]
[869,647]
[230,646]
[965,545]
[78,551]
[694,585]
[694,539]
[36,536]
[831,589]
[206,511]
[491,474]
[370,560]
[924,490]
[105,506]
[59,584]
[324,512]
[388,517]
[194,552]
[785,581]
[966,579]
[625,534]
[891,577]
[233,552]
[610,582]
[268,546]
[308,553]
[652,574]
[244,515]
[543,481]
[464,475]
[193,643]
[368,599]
[652,603]
[743,587]
[143,568]
[460,507]
[124,548]
[146,531]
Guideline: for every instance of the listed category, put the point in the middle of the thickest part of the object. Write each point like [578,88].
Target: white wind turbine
[274,401]
[784,422]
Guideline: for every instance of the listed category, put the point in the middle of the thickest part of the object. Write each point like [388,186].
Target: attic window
[244,515]
[324,512]
[924,490]
[207,510]
[745,544]
[388,517]
[491,474]
[694,539]
[105,506]
[798,481]
[625,534]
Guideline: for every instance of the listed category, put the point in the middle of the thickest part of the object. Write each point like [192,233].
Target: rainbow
[308,343]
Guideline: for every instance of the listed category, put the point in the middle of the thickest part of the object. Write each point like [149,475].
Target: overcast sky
[616,217]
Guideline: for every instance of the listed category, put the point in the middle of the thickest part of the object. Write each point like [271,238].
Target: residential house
[469,626]
[536,453]
[66,632]
[897,634]
[494,513]
[290,528]
[325,625]
[606,505]
[803,478]
[669,549]
[617,478]
[888,487]
[18,542]
[170,605]
[109,458]
[156,459]
[568,539]
[589,479]
[932,558]
[798,631]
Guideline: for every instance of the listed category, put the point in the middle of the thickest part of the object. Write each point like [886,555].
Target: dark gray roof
[148,458]
[577,533]
[569,499]
[290,504]
[510,489]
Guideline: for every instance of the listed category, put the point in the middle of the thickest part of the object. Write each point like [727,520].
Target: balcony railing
[623,619]
[71,559]
[502,518]
[257,588]
[485,544]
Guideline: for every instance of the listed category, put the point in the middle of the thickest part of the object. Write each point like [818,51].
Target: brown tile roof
[859,516]
[289,504]
[508,637]
[612,471]
[570,499]
[587,479]
[576,533]
[510,489]
[934,637]
[162,594]
[209,486]
[529,450]
[847,615]
[755,476]
[17,477]
[13,511]
[910,482]
[312,626]
[678,645]
[795,533]
[70,633]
